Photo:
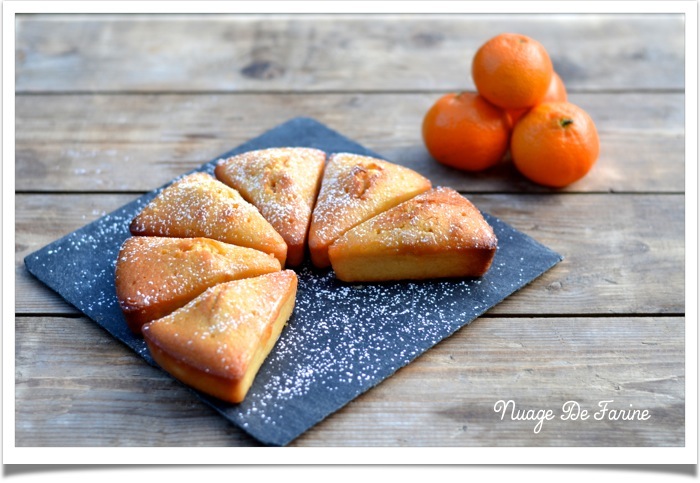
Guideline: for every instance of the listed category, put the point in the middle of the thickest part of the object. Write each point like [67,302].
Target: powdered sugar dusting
[199,205]
[341,340]
[81,268]
[438,220]
[355,188]
[220,330]
[281,182]
[151,269]
[345,338]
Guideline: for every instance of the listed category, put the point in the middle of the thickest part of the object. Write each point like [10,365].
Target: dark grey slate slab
[342,338]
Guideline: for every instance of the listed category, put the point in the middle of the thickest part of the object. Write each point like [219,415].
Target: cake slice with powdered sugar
[283,184]
[355,188]
[437,234]
[218,341]
[199,205]
[157,275]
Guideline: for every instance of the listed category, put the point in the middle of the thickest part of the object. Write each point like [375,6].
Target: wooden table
[111,106]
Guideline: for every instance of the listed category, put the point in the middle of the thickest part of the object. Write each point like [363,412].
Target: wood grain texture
[447,396]
[39,221]
[111,106]
[123,142]
[623,254]
[320,52]
[76,386]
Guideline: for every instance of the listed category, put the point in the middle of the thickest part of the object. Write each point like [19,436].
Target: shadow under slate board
[341,340]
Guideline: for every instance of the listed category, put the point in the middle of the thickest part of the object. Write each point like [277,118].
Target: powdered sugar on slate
[80,267]
[341,340]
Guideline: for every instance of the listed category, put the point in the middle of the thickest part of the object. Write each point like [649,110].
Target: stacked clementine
[520,104]
[466,131]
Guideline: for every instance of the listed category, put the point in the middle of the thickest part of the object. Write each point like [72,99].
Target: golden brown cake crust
[156,275]
[283,184]
[436,234]
[217,342]
[198,205]
[355,188]
[202,278]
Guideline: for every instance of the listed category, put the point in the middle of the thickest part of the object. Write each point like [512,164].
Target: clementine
[555,93]
[512,71]
[466,132]
[555,144]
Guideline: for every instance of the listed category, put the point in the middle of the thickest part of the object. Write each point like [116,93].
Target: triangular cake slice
[157,275]
[436,234]
[282,183]
[199,205]
[355,188]
[218,341]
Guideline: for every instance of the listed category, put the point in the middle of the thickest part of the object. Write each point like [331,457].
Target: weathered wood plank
[333,52]
[558,360]
[123,103]
[76,385]
[624,254]
[68,371]
[139,142]
[39,220]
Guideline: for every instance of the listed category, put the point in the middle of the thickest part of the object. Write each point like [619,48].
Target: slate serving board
[341,340]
